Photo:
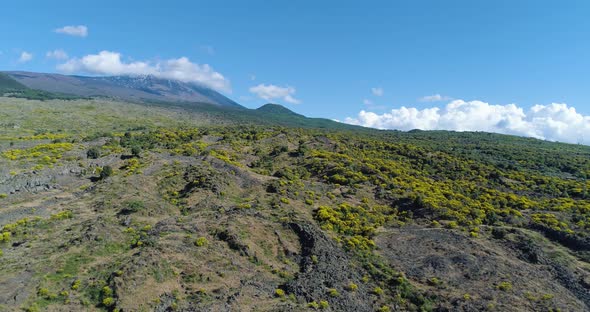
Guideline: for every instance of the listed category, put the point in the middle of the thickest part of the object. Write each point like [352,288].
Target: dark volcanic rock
[333,269]
[476,266]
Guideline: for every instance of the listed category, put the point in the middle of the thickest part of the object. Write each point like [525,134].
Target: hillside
[9,84]
[139,89]
[112,206]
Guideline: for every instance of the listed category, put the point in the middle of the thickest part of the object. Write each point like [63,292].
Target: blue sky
[325,58]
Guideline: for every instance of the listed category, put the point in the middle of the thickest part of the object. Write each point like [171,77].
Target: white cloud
[25,57]
[78,31]
[271,92]
[57,54]
[377,91]
[435,98]
[554,122]
[110,63]
[367,102]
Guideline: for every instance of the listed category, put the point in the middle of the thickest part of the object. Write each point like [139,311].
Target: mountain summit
[143,89]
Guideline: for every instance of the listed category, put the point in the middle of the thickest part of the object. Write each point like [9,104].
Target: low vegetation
[151,208]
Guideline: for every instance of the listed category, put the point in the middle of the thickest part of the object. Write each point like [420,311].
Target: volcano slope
[108,206]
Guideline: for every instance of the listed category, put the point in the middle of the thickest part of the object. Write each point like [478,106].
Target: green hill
[9,84]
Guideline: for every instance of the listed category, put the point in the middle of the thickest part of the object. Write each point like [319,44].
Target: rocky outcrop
[324,266]
[36,181]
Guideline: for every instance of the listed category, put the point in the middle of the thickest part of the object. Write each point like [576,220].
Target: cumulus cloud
[435,98]
[554,122]
[272,92]
[110,63]
[57,54]
[77,31]
[25,57]
[377,91]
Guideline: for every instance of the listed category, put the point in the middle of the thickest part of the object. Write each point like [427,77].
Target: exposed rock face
[16,288]
[453,265]
[37,181]
[332,269]
[28,182]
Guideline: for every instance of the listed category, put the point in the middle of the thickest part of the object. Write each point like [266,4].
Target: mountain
[280,115]
[139,89]
[7,83]
[276,109]
[153,91]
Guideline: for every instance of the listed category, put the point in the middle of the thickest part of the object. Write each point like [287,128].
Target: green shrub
[244,206]
[93,153]
[279,293]
[352,286]
[434,281]
[43,292]
[505,286]
[201,241]
[106,172]
[136,151]
[5,236]
[76,285]
[378,291]
[133,206]
[333,292]
[107,291]
[108,301]
[452,225]
[62,215]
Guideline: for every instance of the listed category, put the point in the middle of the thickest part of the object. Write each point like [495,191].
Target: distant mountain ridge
[151,90]
[141,89]
[277,110]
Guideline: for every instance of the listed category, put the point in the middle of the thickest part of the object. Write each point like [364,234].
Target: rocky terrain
[159,209]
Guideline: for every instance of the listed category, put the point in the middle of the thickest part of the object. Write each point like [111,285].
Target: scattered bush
[108,301]
[505,286]
[76,284]
[352,286]
[106,172]
[378,291]
[201,241]
[136,151]
[279,293]
[93,153]
[333,292]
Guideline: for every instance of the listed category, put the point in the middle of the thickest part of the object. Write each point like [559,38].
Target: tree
[93,153]
[135,151]
[106,172]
